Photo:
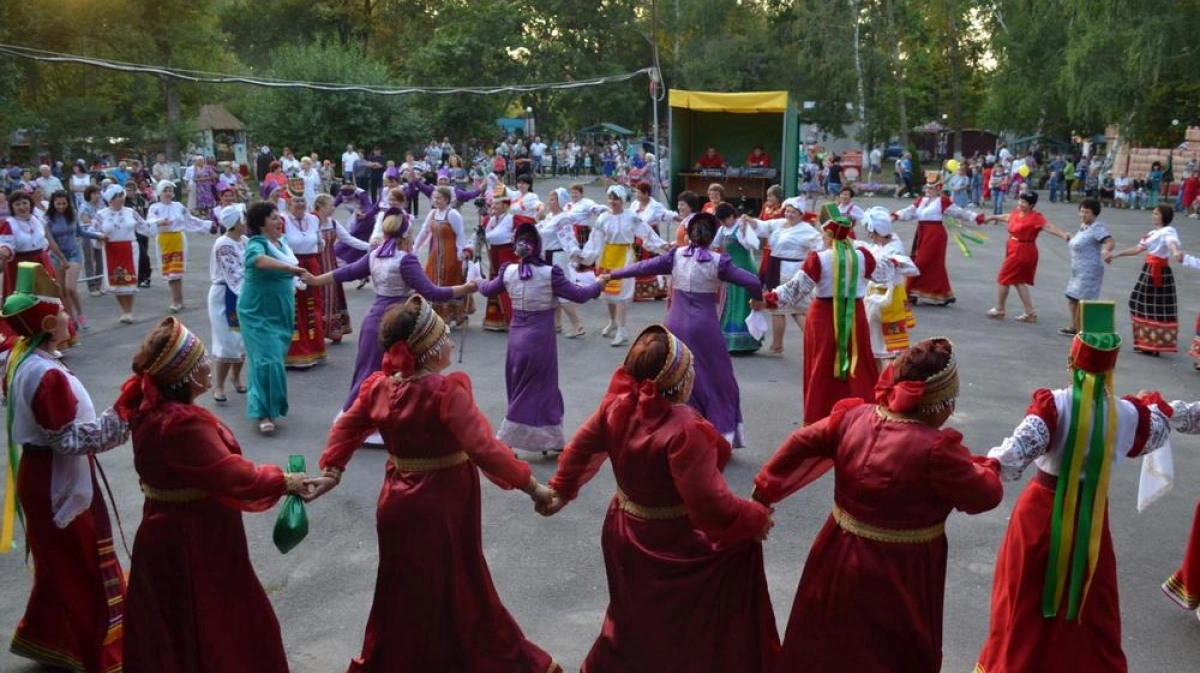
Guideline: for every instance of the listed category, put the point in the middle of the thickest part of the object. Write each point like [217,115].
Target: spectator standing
[349,158]
[289,163]
[262,165]
[537,150]
[377,162]
[47,181]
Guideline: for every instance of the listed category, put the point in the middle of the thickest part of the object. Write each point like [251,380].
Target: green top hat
[34,286]
[1098,322]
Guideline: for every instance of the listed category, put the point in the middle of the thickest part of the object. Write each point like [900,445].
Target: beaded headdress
[429,334]
[183,352]
[941,389]
[931,395]
[678,366]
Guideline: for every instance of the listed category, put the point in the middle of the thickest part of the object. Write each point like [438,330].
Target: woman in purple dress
[696,277]
[364,221]
[396,275]
[535,404]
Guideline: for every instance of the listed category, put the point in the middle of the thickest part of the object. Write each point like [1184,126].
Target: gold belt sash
[172,494]
[648,513]
[428,464]
[888,535]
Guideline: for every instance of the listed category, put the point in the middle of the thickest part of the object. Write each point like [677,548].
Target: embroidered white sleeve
[106,432]
[1186,417]
[1030,440]
[794,292]
[1160,428]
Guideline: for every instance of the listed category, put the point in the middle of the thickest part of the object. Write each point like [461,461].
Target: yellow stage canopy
[749,102]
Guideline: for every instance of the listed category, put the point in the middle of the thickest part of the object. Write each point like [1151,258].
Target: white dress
[610,246]
[226,268]
[121,226]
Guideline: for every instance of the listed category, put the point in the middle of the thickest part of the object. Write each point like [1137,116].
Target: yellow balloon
[1023,171]
[952,165]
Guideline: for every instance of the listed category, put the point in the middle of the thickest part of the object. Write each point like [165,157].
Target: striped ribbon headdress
[1081,496]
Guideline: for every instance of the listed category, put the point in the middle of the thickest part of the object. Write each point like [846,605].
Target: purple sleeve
[570,291]
[464,195]
[655,266]
[730,273]
[424,188]
[410,271]
[357,271]
[493,287]
[337,200]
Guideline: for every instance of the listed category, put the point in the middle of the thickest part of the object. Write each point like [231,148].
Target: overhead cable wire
[203,77]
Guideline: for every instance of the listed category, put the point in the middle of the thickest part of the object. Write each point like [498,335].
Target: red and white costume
[1020,639]
[929,246]
[74,616]
[303,236]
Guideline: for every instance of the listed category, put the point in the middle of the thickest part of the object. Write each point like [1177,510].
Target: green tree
[324,121]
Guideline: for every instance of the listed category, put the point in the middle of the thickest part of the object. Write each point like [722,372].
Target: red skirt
[499,309]
[435,607]
[333,296]
[190,565]
[1020,639]
[678,604]
[1020,263]
[821,389]
[646,288]
[308,337]
[10,270]
[867,607]
[1183,587]
[929,254]
[75,611]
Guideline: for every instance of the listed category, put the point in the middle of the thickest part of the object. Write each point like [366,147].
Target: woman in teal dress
[736,239]
[267,312]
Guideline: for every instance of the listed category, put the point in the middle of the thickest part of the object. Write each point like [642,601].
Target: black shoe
[1067,331]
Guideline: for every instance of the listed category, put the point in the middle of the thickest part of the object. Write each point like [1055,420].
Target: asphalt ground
[550,572]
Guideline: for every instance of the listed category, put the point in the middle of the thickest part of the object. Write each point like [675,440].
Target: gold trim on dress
[428,464]
[888,535]
[172,495]
[648,513]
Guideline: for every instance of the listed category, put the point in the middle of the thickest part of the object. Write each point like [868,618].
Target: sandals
[575,334]
[219,399]
[240,389]
[266,427]
[995,314]
[1026,318]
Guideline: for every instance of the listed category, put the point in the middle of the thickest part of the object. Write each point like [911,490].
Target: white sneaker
[608,329]
[621,338]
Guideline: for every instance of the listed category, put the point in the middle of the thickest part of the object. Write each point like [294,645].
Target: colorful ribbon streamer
[11,511]
[845,292]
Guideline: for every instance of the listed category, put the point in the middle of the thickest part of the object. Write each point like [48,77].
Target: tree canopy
[1059,68]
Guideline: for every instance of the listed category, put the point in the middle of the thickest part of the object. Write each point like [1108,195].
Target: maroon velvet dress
[686,585]
[870,598]
[435,607]
[195,604]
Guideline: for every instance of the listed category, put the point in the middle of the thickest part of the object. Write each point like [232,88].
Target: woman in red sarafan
[838,360]
[435,606]
[686,585]
[1055,604]
[73,619]
[194,601]
[870,599]
[1183,586]
[1021,255]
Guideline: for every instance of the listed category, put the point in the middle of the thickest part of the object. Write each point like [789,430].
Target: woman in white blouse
[1153,306]
[171,220]
[227,268]
[119,225]
[790,238]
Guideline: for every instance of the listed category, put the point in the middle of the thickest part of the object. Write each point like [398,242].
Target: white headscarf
[619,192]
[163,184]
[231,215]
[112,191]
[878,221]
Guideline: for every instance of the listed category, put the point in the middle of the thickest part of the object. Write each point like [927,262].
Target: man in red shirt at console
[758,158]
[710,159]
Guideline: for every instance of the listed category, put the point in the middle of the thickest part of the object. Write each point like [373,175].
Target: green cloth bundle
[292,525]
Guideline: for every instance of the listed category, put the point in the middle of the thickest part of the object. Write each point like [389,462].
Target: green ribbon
[14,453]
[845,293]
[1092,467]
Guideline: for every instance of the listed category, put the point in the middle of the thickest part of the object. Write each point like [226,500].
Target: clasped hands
[309,489]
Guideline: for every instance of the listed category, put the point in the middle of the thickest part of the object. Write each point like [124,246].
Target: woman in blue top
[267,313]
[64,228]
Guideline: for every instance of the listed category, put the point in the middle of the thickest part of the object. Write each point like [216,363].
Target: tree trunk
[898,69]
[863,136]
[955,80]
